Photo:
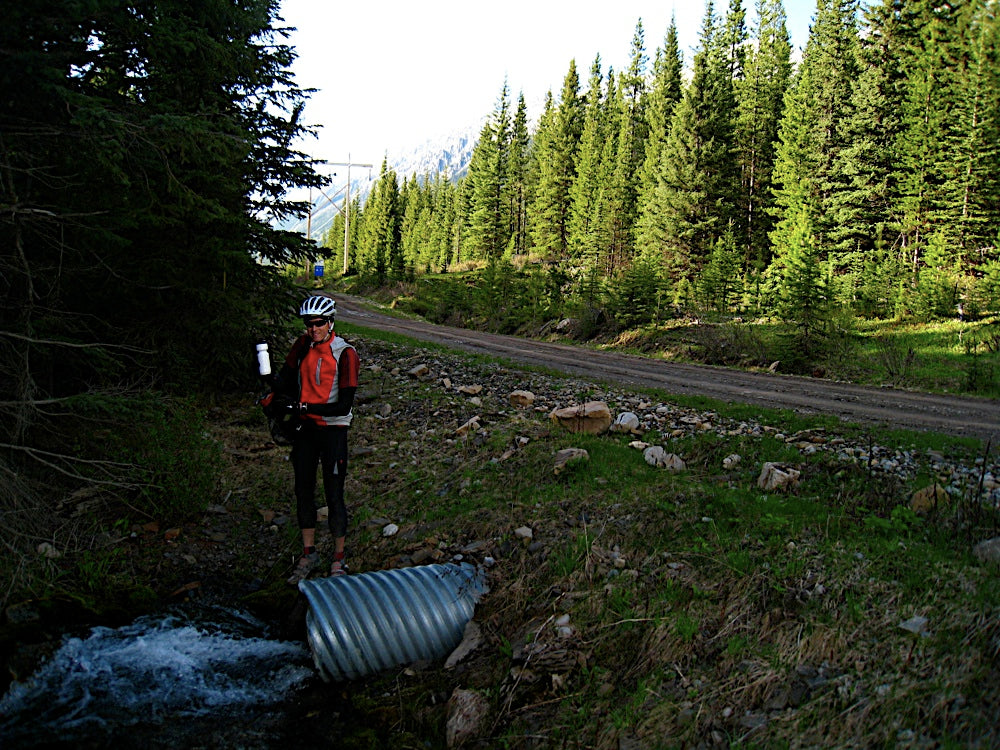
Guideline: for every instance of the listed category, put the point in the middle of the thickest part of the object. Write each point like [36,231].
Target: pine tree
[380,253]
[760,96]
[519,188]
[866,161]
[584,192]
[696,182]
[664,93]
[556,142]
[619,197]
[489,221]
[809,174]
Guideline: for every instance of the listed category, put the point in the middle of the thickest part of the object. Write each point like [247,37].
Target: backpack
[284,426]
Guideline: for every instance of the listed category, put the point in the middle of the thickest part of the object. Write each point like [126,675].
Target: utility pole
[347,201]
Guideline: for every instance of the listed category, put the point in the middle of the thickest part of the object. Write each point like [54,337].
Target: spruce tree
[584,192]
[380,253]
[810,175]
[620,195]
[556,143]
[971,210]
[696,182]
[144,157]
[760,97]
[518,179]
[867,162]
[719,281]
[802,298]
[147,152]
[442,222]
[927,106]
[489,205]
[664,93]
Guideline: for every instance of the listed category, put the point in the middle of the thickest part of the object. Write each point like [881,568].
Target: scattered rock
[916,624]
[775,477]
[470,390]
[390,529]
[472,424]
[929,499]
[731,461]
[521,398]
[568,456]
[524,533]
[472,638]
[467,711]
[48,551]
[626,422]
[988,551]
[655,455]
[591,418]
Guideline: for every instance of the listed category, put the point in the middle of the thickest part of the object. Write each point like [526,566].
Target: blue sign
[319,270]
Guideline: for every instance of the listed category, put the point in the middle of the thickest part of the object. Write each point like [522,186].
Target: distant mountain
[448,154]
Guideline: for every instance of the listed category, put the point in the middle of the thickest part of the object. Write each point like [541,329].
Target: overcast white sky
[392,74]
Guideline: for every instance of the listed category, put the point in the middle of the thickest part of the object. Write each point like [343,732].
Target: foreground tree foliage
[145,150]
[860,179]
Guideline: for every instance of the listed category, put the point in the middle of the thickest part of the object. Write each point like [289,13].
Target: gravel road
[952,415]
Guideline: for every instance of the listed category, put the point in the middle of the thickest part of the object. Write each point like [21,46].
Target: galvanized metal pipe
[363,624]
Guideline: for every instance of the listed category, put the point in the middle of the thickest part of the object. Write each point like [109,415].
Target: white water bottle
[263,359]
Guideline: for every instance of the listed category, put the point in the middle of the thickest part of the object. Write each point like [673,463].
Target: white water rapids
[172,669]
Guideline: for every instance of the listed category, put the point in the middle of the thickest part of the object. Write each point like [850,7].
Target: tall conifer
[489,207]
[585,190]
[760,102]
[809,173]
[518,184]
[556,143]
[867,162]
[664,92]
[696,183]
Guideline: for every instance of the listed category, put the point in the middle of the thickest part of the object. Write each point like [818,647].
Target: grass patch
[696,604]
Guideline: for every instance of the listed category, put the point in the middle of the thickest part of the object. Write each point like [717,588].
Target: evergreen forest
[862,179]
[147,151]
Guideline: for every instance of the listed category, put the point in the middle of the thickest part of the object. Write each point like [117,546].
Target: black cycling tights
[326,446]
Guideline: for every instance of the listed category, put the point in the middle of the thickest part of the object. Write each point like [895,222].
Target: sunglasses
[316,323]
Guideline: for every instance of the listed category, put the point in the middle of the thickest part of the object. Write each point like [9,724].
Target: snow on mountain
[446,154]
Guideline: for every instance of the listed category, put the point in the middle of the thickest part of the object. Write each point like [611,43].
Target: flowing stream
[191,678]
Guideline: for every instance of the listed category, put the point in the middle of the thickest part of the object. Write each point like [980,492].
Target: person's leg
[334,476]
[305,456]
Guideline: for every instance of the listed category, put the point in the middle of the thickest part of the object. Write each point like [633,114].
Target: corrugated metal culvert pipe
[362,624]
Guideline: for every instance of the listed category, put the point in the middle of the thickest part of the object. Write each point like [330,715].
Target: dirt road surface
[951,415]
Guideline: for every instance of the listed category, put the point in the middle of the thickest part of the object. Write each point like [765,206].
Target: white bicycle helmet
[318,307]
